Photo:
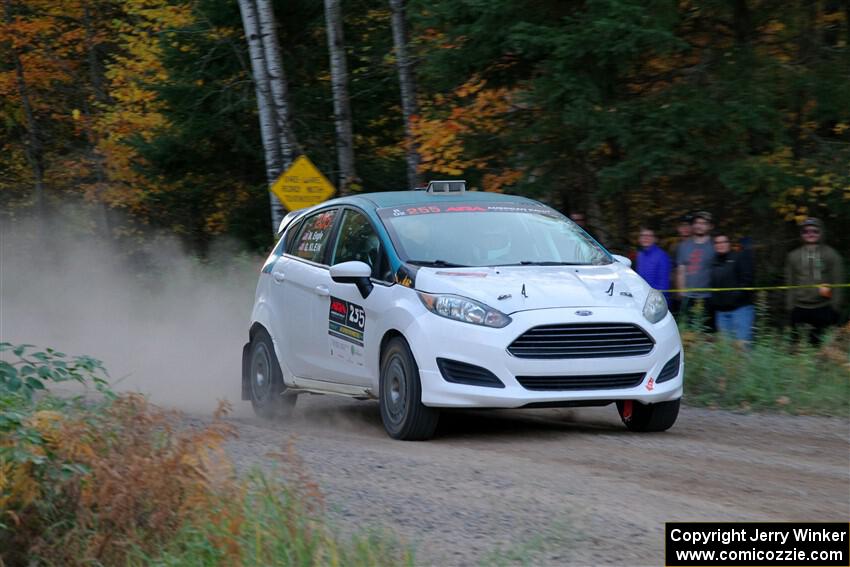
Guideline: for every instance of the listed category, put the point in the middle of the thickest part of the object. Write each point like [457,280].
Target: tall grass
[270,525]
[775,372]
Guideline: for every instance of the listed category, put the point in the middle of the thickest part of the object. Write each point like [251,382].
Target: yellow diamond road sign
[302,185]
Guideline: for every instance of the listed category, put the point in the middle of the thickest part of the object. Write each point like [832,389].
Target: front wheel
[648,417]
[402,411]
[268,392]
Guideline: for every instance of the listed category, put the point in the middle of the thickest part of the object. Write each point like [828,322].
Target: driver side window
[358,241]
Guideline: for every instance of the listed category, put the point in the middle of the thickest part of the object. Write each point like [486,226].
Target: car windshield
[489,234]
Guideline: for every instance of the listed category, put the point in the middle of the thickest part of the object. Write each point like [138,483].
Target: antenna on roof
[451,186]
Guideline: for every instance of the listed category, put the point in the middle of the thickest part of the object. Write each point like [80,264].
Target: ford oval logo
[584,313]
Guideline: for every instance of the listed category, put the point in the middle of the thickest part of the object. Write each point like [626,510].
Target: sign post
[302,185]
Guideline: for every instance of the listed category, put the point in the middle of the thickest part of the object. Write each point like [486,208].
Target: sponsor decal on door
[346,326]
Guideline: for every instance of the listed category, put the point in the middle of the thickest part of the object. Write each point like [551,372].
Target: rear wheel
[648,417]
[268,392]
[402,411]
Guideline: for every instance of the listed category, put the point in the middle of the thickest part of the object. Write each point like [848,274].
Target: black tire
[402,411]
[649,417]
[268,392]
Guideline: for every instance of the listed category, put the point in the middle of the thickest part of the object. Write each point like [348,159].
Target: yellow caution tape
[761,288]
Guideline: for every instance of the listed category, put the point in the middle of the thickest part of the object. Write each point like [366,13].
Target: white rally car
[445,298]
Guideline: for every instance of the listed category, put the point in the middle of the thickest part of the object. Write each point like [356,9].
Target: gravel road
[556,486]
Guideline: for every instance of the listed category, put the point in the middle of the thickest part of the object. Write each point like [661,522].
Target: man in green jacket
[814,263]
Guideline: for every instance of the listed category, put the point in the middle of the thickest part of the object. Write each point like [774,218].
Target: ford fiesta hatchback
[447,298]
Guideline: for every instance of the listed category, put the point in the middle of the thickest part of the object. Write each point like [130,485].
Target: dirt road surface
[556,486]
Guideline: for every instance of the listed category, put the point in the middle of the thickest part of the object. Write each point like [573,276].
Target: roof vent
[453,186]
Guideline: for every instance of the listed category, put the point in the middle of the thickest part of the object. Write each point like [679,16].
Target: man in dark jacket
[813,263]
[733,310]
[653,263]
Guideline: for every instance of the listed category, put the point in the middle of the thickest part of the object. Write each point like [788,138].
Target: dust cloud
[163,323]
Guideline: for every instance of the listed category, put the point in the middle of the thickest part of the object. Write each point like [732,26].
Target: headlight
[463,309]
[655,307]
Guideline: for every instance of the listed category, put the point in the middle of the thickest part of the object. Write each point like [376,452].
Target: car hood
[546,287]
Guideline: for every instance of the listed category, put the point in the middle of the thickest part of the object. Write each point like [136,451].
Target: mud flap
[246,384]
[627,410]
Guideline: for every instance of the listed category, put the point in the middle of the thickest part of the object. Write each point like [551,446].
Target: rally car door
[354,325]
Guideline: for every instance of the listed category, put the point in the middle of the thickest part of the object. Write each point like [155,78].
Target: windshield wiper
[436,263]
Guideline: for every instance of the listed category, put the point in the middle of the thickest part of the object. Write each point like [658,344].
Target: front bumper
[487,348]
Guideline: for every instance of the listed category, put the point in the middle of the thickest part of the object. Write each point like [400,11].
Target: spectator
[734,312]
[653,263]
[579,219]
[683,231]
[813,263]
[693,267]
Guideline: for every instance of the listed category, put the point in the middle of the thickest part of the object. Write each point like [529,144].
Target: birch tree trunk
[268,126]
[342,105]
[408,89]
[277,83]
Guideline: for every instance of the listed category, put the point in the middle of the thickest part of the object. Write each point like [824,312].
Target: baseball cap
[811,221]
[705,215]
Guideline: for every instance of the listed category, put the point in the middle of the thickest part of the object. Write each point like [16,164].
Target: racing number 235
[356,317]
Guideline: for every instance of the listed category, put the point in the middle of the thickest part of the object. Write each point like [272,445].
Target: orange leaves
[18,488]
[497,182]
[138,480]
[472,109]
[42,45]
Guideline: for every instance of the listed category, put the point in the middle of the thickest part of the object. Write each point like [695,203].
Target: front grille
[593,382]
[670,370]
[463,373]
[582,340]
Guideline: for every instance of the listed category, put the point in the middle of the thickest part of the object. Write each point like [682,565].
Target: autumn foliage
[118,481]
[632,112]
[139,480]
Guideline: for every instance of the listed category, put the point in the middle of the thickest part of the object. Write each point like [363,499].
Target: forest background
[630,111]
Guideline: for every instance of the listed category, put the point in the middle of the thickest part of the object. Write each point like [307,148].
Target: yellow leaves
[219,33]
[472,109]
[773,27]
[497,182]
[470,87]
[18,487]
[133,78]
[840,128]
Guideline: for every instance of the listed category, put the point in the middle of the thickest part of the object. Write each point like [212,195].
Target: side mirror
[354,272]
[623,260]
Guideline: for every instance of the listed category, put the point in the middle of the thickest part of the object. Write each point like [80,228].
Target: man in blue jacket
[653,263]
